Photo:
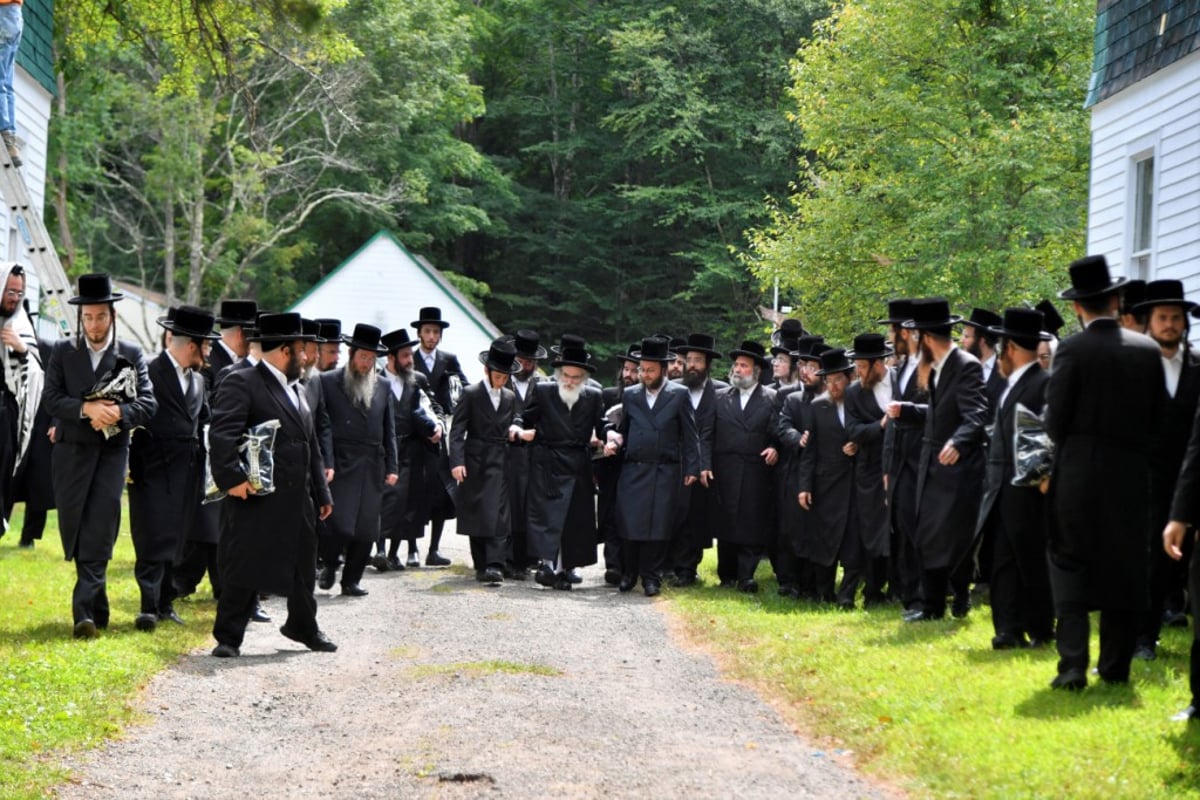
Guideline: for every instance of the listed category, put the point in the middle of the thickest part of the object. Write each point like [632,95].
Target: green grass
[59,695]
[932,709]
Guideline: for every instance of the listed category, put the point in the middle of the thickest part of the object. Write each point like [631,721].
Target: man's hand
[13,340]
[806,500]
[611,448]
[391,479]
[1044,485]
[850,448]
[804,439]
[885,483]
[893,409]
[50,434]
[242,491]
[324,512]
[949,455]
[437,435]
[706,478]
[883,421]
[770,456]
[1173,539]
[459,474]
[329,476]
[101,413]
[689,480]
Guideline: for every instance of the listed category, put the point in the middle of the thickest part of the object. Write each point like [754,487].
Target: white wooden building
[384,285]
[1144,200]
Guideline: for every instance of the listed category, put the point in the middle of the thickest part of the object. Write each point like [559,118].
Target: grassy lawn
[59,695]
[932,709]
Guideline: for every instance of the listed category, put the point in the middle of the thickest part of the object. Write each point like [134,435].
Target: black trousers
[33,525]
[1118,627]
[936,582]
[1194,597]
[90,597]
[1020,585]
[905,575]
[488,551]
[1166,577]
[357,553]
[788,566]
[647,560]
[198,558]
[154,580]
[237,603]
[737,562]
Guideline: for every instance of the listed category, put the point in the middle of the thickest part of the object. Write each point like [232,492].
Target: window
[1142,235]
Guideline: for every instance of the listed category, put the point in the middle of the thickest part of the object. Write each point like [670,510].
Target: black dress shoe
[1008,641]
[493,576]
[960,607]
[145,622]
[514,573]
[1073,680]
[169,615]
[574,577]
[85,629]
[414,560]
[318,641]
[786,589]
[328,576]
[924,616]
[258,615]
[353,590]
[545,576]
[27,544]
[627,583]
[748,586]
[394,564]
[436,559]
[1041,640]
[728,583]
[380,563]
[226,651]
[612,577]
[562,582]
[1171,618]
[681,580]
[651,587]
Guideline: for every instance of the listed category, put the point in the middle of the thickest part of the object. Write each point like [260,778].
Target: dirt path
[444,688]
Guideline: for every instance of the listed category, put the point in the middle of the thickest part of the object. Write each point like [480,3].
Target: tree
[946,154]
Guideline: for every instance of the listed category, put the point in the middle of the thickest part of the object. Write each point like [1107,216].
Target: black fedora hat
[526,344]
[1165,292]
[1132,293]
[628,355]
[95,288]
[398,340]
[1090,278]
[655,349]
[312,330]
[237,314]
[330,330]
[366,337]
[983,318]
[574,342]
[790,329]
[190,321]
[1024,325]
[870,346]
[752,350]
[430,315]
[571,353]
[284,327]
[931,313]
[501,356]
[833,361]
[674,345]
[1053,320]
[899,312]
[806,347]
[699,343]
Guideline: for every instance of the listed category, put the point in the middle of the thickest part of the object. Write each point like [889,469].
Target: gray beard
[569,396]
[742,382]
[360,388]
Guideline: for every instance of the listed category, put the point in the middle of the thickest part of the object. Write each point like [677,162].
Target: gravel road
[445,688]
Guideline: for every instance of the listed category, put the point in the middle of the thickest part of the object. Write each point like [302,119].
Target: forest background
[609,168]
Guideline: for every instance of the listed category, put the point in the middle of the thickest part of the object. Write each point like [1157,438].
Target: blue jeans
[12,25]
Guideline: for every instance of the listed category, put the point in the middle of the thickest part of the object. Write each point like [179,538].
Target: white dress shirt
[883,390]
[494,396]
[1173,368]
[745,395]
[428,358]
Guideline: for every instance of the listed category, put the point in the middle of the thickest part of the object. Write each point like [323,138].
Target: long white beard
[742,382]
[360,388]
[570,396]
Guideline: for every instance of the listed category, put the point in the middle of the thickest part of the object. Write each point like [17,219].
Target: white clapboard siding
[384,285]
[1161,112]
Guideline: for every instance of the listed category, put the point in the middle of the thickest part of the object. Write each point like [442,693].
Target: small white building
[384,285]
[1144,199]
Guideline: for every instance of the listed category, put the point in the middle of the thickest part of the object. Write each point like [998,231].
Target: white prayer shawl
[23,378]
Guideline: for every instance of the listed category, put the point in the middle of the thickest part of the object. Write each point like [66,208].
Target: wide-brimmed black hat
[237,314]
[331,329]
[195,323]
[869,346]
[284,327]
[312,330]
[628,355]
[1053,320]
[789,330]
[1165,292]
[366,337]
[806,347]
[571,353]
[430,315]
[526,344]
[983,319]
[699,343]
[833,361]
[899,312]
[931,313]
[572,341]
[753,350]
[95,288]
[501,356]
[1132,293]
[1026,326]
[1090,278]
[398,340]
[674,344]
[655,349]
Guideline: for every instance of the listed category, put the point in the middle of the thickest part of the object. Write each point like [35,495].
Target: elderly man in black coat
[950,472]
[92,441]
[364,449]
[1100,481]
[166,463]
[1016,515]
[662,455]
[269,541]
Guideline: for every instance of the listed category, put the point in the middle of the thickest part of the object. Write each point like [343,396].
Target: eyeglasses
[17,293]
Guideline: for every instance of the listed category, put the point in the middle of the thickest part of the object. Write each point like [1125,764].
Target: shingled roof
[1136,38]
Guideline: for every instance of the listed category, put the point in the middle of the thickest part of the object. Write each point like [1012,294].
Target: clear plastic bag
[257,454]
[1033,452]
[118,385]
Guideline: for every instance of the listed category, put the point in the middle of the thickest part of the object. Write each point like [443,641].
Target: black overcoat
[744,481]
[266,539]
[863,417]
[795,418]
[698,526]
[314,395]
[479,442]
[444,365]
[1021,509]
[89,470]
[828,474]
[519,454]
[405,508]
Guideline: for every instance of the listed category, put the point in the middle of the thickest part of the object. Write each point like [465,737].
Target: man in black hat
[268,541]
[1019,583]
[866,421]
[364,447]
[697,528]
[166,463]
[745,450]
[329,348]
[92,440]
[1052,325]
[676,367]
[313,394]
[1166,313]
[977,340]
[1100,483]
[1133,292]
[951,469]
[662,455]
[568,417]
[21,388]
[608,470]
[446,381]
[235,317]
[528,353]
[479,436]
[417,424]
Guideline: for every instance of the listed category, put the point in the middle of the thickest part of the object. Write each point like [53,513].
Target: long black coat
[662,446]
[444,365]
[266,539]
[405,508]
[479,442]
[439,485]
[166,466]
[948,496]
[364,448]
[1105,401]
[1166,457]
[314,395]
[519,455]
[795,418]
[561,507]
[828,474]
[902,451]
[863,416]
[698,525]
[744,481]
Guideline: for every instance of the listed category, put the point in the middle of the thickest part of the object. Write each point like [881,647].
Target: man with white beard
[364,444]
[568,418]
